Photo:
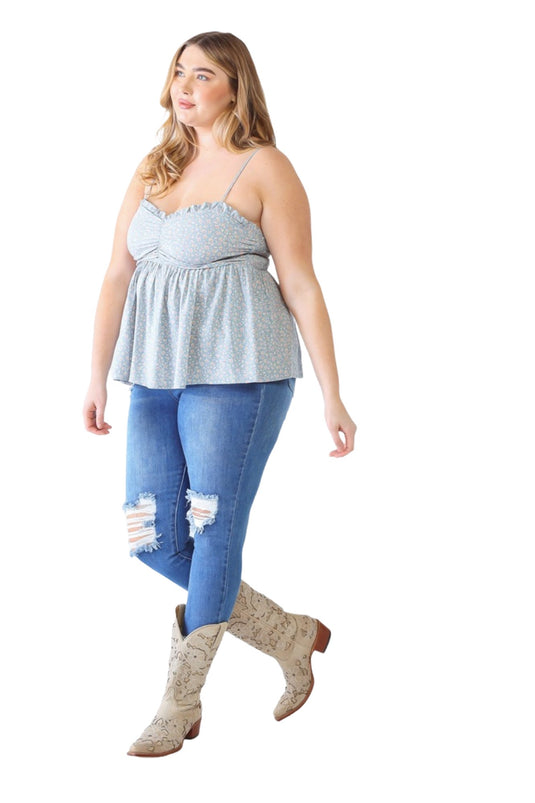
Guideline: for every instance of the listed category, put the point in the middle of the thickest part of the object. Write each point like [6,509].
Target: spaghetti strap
[238,174]
[148,189]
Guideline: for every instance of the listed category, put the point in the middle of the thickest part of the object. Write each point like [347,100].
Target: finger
[350,440]
[100,417]
[340,446]
[89,418]
[337,439]
[91,423]
[96,431]
[339,452]
[103,426]
[343,448]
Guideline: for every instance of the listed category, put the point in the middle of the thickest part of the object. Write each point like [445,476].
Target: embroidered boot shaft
[179,714]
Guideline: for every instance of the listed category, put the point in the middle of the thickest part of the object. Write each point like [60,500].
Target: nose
[184,83]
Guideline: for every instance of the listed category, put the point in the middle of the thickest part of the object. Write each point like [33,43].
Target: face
[200,90]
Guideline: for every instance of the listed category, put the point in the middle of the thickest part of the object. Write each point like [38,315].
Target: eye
[204,77]
[178,71]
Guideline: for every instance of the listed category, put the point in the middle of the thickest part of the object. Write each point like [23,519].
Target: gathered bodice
[200,235]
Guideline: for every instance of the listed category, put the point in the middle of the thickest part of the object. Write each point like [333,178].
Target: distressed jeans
[195,457]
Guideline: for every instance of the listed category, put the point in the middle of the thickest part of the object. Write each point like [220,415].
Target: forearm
[310,312]
[107,325]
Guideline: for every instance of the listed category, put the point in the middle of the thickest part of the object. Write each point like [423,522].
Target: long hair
[245,125]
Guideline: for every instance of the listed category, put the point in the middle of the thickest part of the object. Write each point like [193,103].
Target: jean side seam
[238,488]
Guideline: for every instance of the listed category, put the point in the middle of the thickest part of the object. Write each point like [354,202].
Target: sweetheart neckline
[204,205]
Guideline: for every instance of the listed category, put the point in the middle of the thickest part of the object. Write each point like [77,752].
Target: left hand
[338,420]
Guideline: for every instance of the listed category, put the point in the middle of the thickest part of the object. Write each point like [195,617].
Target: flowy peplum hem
[213,324]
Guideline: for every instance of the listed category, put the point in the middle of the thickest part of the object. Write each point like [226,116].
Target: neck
[206,144]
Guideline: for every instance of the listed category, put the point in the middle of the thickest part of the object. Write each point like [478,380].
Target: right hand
[93,410]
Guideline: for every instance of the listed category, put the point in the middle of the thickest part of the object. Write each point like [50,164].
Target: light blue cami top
[201,305]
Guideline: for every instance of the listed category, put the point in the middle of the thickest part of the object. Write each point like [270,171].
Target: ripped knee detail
[141,524]
[202,511]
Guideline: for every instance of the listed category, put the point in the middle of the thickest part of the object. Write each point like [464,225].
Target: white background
[411,126]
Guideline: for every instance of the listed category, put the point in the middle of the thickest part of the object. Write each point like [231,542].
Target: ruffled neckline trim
[199,207]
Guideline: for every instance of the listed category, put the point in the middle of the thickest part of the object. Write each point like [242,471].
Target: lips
[185,105]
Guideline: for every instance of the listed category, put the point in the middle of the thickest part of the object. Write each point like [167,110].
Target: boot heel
[323,637]
[194,731]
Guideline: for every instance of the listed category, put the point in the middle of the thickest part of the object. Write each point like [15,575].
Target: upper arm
[285,223]
[122,264]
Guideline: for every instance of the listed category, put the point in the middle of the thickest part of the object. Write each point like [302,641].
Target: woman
[191,319]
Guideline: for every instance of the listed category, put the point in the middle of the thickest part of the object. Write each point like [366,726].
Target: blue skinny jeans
[195,457]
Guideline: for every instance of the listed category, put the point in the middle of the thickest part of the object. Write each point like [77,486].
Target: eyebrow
[196,69]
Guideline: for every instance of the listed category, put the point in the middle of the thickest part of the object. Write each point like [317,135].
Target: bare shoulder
[140,169]
[275,172]
[135,190]
[129,205]
[270,160]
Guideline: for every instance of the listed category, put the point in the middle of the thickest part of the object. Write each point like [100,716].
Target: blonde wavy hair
[246,125]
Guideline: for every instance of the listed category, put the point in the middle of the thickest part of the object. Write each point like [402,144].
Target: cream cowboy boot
[290,638]
[179,714]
